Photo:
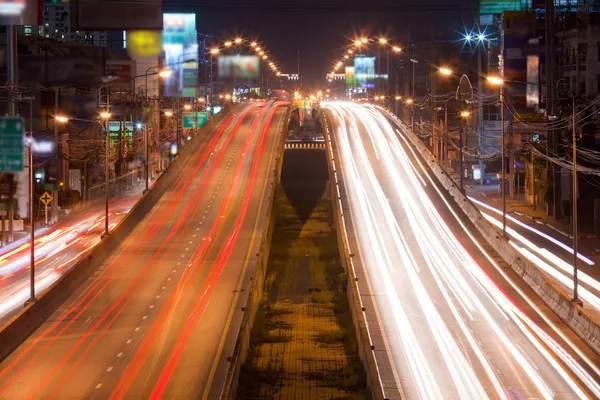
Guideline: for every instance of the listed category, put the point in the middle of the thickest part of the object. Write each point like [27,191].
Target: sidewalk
[589,243]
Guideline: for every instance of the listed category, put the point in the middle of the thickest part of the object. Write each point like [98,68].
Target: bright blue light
[481,37]
[468,37]
[138,126]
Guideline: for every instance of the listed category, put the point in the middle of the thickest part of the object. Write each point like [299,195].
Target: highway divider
[572,314]
[22,325]
[242,343]
[366,348]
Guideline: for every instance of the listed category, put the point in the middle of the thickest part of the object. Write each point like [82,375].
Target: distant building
[57,25]
[580,60]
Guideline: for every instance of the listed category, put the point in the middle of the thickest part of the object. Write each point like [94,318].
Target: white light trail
[457,333]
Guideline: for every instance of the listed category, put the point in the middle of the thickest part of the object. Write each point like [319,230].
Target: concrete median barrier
[250,307]
[363,338]
[572,314]
[22,325]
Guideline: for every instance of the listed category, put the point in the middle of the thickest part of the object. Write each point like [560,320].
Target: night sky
[319,29]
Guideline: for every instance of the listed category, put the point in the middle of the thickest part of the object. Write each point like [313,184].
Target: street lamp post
[463,115]
[32,223]
[213,52]
[499,81]
[414,96]
[106,116]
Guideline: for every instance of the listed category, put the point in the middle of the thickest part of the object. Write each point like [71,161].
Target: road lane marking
[241,279]
[119,355]
[145,316]
[137,329]
[109,369]
[129,341]
[98,386]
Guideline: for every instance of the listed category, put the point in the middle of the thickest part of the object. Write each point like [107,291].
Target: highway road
[57,249]
[159,317]
[449,320]
[551,254]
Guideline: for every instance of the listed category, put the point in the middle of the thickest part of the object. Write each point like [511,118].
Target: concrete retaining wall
[365,345]
[242,343]
[570,313]
[22,325]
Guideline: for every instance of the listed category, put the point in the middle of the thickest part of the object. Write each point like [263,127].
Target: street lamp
[463,115]
[187,107]
[105,115]
[445,71]
[499,81]
[412,118]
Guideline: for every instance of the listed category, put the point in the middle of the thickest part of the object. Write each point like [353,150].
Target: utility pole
[551,78]
[406,66]
[54,205]
[480,128]
[11,63]
[436,141]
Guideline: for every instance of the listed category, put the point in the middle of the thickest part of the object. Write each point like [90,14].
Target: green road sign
[11,144]
[193,120]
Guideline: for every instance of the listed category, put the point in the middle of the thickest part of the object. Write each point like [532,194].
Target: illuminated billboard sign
[20,12]
[180,44]
[350,78]
[144,43]
[106,15]
[239,66]
[499,6]
[364,71]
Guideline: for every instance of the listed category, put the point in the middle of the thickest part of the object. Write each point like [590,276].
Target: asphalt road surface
[448,318]
[159,317]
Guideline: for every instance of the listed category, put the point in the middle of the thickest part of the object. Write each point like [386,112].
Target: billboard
[144,43]
[180,44]
[58,71]
[499,6]
[107,15]
[245,67]
[124,71]
[20,12]
[364,71]
[350,78]
[533,78]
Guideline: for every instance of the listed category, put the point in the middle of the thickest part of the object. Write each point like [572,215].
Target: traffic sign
[193,120]
[46,198]
[11,144]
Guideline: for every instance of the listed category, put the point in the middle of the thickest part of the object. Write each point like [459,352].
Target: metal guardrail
[304,145]
[357,307]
